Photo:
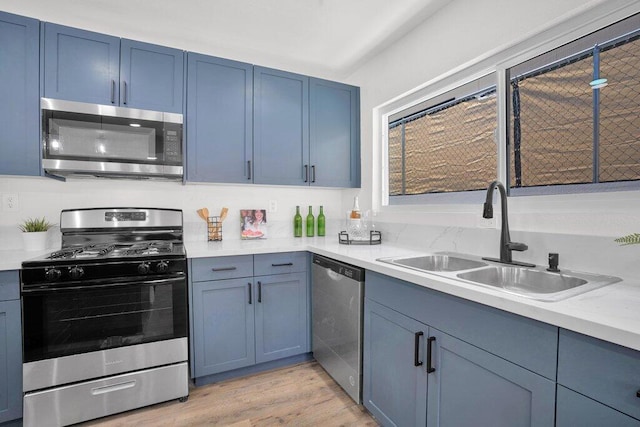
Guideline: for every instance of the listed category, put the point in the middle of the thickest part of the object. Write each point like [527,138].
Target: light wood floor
[299,395]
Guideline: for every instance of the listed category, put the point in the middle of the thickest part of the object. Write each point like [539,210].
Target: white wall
[459,35]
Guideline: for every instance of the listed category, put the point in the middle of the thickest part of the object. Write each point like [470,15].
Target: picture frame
[253,224]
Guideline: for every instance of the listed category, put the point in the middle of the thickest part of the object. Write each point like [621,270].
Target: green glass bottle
[310,223]
[321,222]
[297,223]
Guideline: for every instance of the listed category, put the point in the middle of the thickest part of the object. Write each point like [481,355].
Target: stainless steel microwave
[109,141]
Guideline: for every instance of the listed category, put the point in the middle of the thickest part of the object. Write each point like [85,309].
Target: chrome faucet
[506,245]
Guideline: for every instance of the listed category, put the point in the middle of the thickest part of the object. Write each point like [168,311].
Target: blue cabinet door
[334,140]
[219,120]
[19,82]
[223,325]
[151,76]
[10,347]
[281,316]
[281,127]
[394,388]
[574,409]
[471,387]
[81,65]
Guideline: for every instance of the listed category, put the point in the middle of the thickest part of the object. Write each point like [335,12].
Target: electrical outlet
[273,206]
[10,202]
[486,222]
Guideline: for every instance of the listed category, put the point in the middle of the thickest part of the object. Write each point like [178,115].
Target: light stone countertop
[611,313]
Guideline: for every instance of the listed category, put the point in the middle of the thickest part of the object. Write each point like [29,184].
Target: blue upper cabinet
[306,130]
[334,134]
[219,120]
[81,65]
[96,68]
[151,76]
[281,127]
[19,82]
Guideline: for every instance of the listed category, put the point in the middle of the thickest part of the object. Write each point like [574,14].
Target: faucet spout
[506,245]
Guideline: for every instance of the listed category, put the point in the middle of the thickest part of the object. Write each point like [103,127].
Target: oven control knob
[162,267]
[52,274]
[143,268]
[76,272]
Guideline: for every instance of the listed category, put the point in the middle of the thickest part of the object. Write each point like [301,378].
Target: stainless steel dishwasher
[337,302]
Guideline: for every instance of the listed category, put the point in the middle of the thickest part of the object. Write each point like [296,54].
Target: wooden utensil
[201,214]
[223,214]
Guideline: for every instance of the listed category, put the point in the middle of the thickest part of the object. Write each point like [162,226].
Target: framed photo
[253,224]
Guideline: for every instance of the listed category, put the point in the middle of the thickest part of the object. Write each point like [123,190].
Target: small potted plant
[630,239]
[34,233]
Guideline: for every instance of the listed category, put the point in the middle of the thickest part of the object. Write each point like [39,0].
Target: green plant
[631,239]
[35,224]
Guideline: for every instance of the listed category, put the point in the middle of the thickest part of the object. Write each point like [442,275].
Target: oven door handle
[40,289]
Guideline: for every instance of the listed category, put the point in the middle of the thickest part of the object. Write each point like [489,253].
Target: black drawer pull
[259,291]
[416,349]
[249,284]
[430,342]
[224,269]
[284,264]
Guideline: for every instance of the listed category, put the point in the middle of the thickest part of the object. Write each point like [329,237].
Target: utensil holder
[214,228]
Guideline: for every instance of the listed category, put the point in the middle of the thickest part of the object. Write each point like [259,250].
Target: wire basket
[214,228]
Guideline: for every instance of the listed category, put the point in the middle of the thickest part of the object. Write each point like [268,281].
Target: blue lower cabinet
[575,409]
[394,374]
[246,320]
[10,348]
[223,325]
[281,316]
[471,387]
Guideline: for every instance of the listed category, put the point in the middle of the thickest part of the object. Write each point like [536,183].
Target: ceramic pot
[35,241]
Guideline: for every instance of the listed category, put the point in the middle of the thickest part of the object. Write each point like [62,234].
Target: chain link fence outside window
[565,132]
[449,148]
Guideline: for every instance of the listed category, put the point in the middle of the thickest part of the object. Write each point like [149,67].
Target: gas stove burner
[87,251]
[64,253]
[148,248]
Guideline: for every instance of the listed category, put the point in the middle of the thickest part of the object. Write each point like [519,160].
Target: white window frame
[557,33]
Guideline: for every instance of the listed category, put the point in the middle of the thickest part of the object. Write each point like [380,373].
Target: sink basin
[436,262]
[536,283]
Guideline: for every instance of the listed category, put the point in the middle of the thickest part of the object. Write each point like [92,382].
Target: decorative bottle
[297,223]
[355,212]
[321,223]
[310,223]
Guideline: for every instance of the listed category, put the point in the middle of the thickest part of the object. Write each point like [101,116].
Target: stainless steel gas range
[105,318]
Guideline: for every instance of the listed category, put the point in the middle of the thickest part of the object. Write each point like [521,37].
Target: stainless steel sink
[531,282]
[436,262]
[537,283]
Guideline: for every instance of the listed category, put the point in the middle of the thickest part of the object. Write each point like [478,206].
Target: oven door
[61,321]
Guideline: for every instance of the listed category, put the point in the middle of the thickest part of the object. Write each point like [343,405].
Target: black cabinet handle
[259,291]
[249,285]
[284,264]
[223,269]
[313,173]
[124,96]
[306,173]
[113,91]
[416,349]
[249,169]
[430,342]
[638,393]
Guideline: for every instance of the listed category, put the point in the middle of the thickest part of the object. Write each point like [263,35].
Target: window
[446,144]
[575,121]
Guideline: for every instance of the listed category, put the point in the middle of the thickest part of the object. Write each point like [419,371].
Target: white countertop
[611,313]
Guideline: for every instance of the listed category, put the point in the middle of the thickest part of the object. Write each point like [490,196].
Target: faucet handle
[515,246]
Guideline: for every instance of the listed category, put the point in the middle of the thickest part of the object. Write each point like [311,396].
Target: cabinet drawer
[280,263]
[606,372]
[228,267]
[9,285]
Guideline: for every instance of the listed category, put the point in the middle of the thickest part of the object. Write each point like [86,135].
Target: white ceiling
[330,36]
